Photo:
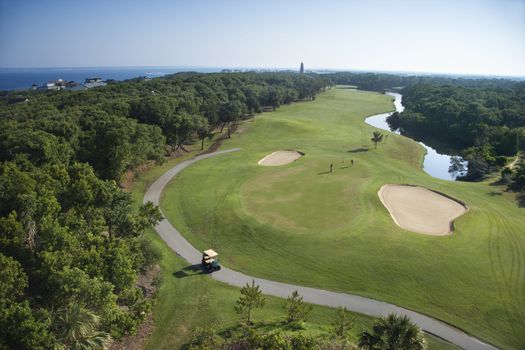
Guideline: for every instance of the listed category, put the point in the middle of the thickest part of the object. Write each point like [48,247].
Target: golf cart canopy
[210,253]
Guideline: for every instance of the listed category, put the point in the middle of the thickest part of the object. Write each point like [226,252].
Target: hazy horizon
[480,38]
[241,68]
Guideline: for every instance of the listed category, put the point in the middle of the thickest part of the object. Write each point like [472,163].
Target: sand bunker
[421,210]
[280,158]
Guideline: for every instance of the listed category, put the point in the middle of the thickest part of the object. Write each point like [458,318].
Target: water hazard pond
[435,164]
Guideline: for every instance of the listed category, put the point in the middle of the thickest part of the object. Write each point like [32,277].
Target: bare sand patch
[280,158]
[421,210]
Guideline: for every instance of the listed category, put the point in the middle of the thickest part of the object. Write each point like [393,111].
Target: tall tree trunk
[202,144]
[179,144]
[222,127]
[229,135]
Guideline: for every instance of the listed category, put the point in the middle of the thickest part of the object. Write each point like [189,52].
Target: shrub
[152,254]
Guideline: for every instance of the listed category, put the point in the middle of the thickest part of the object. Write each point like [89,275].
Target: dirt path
[315,296]
[512,165]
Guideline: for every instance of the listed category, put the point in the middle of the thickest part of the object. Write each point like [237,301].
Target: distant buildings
[60,84]
[94,82]
[301,70]
[232,70]
[54,85]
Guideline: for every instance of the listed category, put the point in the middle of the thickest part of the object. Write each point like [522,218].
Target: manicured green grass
[183,303]
[186,300]
[294,223]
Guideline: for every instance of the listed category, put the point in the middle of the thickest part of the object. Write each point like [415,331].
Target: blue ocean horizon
[24,78]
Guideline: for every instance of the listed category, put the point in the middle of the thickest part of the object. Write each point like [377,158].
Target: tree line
[480,119]
[386,81]
[124,125]
[71,247]
[483,124]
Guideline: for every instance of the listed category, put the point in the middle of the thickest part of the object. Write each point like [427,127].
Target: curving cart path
[315,296]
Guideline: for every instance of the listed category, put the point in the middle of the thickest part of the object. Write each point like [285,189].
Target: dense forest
[125,124]
[481,119]
[71,247]
[484,124]
[385,81]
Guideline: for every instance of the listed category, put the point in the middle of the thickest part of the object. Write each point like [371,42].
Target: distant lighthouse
[301,70]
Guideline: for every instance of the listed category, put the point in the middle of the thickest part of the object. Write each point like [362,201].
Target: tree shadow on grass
[240,331]
[499,182]
[521,202]
[264,326]
[358,150]
[520,195]
[495,193]
[188,271]
[324,172]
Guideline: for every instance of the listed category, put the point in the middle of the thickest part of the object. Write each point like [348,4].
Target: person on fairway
[331,167]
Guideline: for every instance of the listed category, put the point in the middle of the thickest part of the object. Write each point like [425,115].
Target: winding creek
[435,164]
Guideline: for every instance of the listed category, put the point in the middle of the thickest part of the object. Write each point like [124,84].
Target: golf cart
[210,262]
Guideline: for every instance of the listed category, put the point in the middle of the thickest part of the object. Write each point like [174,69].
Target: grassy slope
[183,303]
[332,231]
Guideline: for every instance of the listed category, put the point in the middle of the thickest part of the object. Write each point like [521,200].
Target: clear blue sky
[452,36]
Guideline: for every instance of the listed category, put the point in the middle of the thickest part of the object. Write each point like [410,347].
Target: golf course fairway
[298,223]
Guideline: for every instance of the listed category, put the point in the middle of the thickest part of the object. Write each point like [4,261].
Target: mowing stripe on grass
[359,304]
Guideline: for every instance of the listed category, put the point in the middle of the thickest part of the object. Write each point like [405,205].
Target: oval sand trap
[280,158]
[421,210]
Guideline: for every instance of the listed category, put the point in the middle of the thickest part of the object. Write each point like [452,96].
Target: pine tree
[297,310]
[342,325]
[251,298]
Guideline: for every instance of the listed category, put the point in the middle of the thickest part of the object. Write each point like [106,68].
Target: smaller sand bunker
[280,158]
[421,210]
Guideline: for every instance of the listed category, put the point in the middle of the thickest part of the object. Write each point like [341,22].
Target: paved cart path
[315,296]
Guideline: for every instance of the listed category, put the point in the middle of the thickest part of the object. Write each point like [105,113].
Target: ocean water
[24,78]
